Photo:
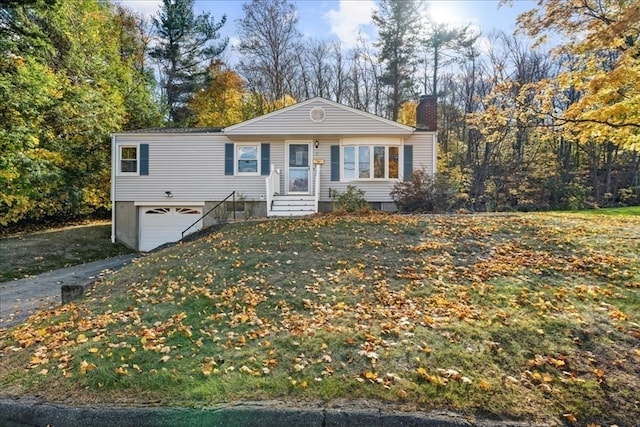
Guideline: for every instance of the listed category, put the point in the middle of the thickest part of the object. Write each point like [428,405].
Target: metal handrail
[232,195]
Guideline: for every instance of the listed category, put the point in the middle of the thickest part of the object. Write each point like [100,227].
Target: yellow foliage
[219,104]
[606,71]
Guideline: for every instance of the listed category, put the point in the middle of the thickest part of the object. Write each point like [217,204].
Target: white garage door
[164,224]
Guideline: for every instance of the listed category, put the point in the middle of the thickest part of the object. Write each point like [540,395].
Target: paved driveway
[21,298]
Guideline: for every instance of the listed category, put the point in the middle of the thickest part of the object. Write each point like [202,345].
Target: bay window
[370,162]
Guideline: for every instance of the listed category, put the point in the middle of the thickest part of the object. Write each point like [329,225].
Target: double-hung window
[247,159]
[365,162]
[129,159]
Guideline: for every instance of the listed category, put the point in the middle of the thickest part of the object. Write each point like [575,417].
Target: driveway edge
[33,412]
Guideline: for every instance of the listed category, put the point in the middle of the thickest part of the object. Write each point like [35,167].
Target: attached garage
[165,224]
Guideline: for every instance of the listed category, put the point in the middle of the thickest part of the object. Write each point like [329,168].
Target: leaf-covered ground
[531,317]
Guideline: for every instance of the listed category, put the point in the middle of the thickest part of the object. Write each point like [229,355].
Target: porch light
[168,194]
[316,144]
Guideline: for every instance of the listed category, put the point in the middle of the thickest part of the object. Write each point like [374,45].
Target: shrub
[351,200]
[425,192]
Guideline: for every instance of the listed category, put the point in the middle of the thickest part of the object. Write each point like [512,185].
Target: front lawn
[519,316]
[31,253]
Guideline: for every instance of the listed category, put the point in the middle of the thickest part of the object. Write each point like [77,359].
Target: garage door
[164,224]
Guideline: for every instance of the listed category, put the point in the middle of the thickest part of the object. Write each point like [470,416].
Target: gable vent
[317,114]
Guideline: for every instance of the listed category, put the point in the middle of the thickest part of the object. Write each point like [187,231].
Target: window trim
[120,147]
[372,146]
[236,158]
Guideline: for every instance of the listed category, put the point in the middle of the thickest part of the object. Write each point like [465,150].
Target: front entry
[298,168]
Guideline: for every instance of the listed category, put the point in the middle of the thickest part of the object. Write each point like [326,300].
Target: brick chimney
[427,113]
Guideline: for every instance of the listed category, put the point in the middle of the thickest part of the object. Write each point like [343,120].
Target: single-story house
[288,162]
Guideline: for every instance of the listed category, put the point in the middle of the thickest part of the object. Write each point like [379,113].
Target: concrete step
[294,203]
[290,213]
[294,197]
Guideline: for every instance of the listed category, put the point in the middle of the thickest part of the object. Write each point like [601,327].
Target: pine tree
[183,53]
[398,25]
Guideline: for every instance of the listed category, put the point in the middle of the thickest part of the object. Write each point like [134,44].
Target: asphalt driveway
[21,298]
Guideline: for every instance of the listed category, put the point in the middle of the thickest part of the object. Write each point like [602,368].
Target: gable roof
[317,117]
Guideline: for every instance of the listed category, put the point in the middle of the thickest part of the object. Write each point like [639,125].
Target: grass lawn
[521,316]
[628,210]
[33,253]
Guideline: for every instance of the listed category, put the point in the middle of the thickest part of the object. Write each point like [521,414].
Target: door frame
[309,144]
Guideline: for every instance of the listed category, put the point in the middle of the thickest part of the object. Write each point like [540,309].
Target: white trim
[118,154]
[113,189]
[161,203]
[371,140]
[309,143]
[360,142]
[236,157]
[435,153]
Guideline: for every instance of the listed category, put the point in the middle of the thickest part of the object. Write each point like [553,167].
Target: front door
[298,175]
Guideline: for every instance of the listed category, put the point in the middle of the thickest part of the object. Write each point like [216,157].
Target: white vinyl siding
[191,166]
[339,120]
[423,151]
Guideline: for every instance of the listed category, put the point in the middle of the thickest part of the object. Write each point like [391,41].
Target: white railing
[317,186]
[273,186]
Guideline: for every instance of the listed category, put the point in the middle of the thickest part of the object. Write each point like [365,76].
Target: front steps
[292,205]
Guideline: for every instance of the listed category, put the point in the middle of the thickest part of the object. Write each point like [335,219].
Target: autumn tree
[220,102]
[608,77]
[66,79]
[398,24]
[185,48]
[268,49]
[595,100]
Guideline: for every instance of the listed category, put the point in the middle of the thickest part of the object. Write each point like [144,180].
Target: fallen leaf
[86,367]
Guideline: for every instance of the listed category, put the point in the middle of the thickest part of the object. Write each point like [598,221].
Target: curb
[33,412]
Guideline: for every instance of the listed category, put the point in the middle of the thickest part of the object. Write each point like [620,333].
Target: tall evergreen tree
[398,25]
[184,51]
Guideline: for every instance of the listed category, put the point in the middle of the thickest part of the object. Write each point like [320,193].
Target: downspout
[435,152]
[316,198]
[113,188]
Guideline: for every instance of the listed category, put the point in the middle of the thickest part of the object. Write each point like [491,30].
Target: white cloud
[146,8]
[349,18]
[449,12]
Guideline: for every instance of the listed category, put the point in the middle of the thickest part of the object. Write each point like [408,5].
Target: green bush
[351,200]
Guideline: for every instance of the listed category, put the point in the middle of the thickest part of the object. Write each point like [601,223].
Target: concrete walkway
[21,298]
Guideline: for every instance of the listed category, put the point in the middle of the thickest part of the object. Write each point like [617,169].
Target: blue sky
[343,19]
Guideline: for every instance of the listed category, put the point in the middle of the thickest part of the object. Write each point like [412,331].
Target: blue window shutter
[265,159]
[228,159]
[408,162]
[144,159]
[335,163]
